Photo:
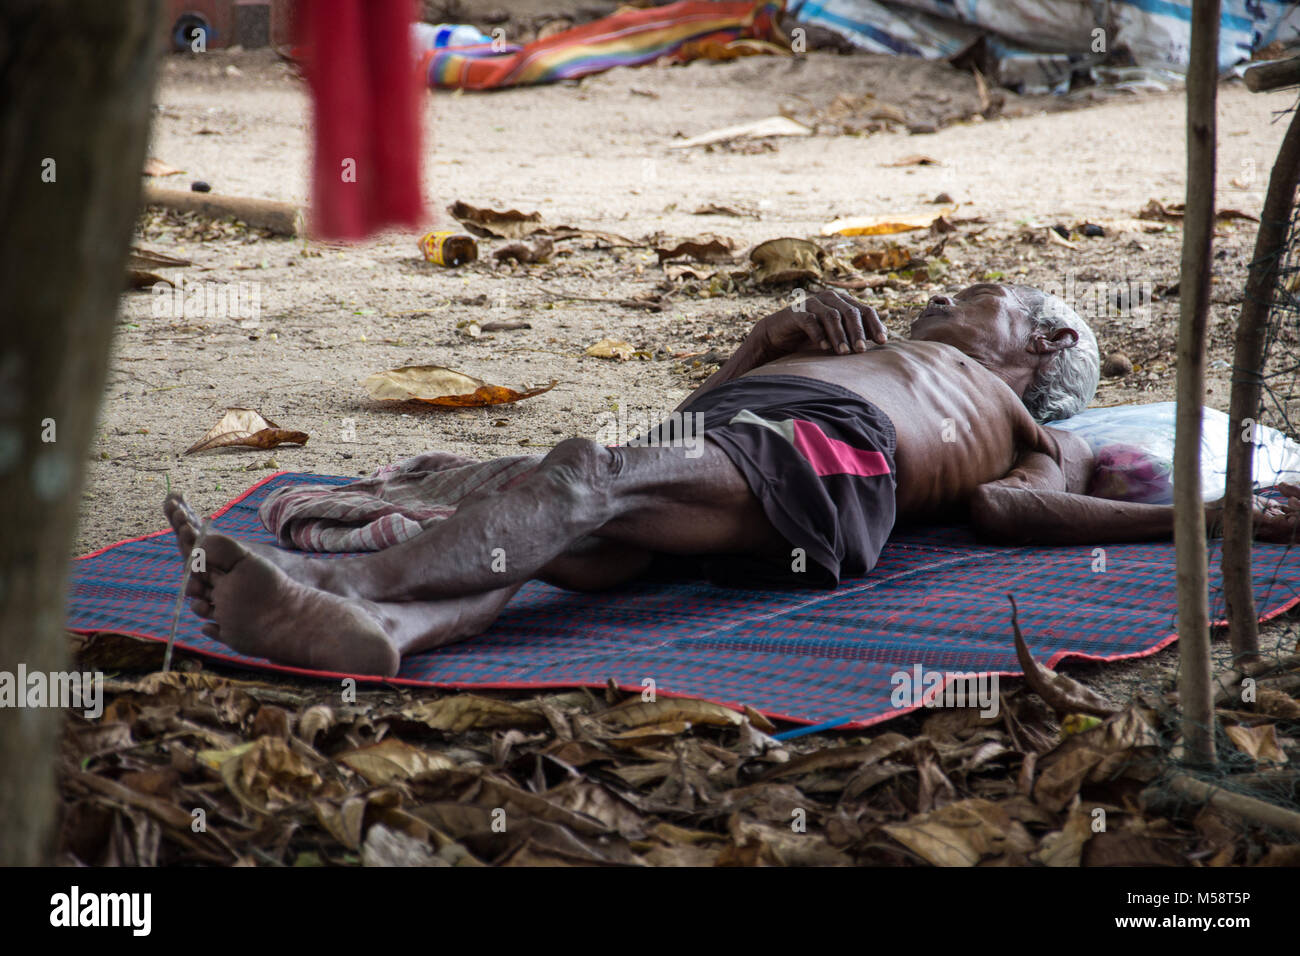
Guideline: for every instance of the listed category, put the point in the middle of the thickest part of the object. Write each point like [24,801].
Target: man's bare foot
[259,606]
[417,626]
[313,572]
[255,608]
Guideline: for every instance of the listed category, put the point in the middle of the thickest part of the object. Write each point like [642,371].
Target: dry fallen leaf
[1281,855]
[685,270]
[142,258]
[650,302]
[265,775]
[758,720]
[314,721]
[1258,743]
[1275,703]
[385,847]
[513,224]
[858,283]
[719,209]
[468,712]
[1114,849]
[888,259]
[638,713]
[156,167]
[139,279]
[759,129]
[1056,239]
[886,224]
[1062,693]
[1130,225]
[1065,847]
[346,821]
[1236,214]
[786,260]
[1156,210]
[393,760]
[611,349]
[832,758]
[962,833]
[540,249]
[760,844]
[1120,747]
[702,249]
[1174,211]
[494,223]
[243,427]
[436,385]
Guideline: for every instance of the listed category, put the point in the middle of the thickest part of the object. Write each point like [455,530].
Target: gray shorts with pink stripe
[820,460]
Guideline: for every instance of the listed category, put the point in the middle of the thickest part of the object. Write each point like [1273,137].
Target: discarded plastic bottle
[429,36]
[447,248]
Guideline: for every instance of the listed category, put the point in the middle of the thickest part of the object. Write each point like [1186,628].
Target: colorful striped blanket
[627,38]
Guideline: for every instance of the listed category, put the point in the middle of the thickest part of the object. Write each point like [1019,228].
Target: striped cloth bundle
[390,506]
[627,38]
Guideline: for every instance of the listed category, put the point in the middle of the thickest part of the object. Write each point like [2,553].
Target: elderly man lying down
[819,436]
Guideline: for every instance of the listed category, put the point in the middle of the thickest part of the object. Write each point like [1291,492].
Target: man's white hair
[1068,379]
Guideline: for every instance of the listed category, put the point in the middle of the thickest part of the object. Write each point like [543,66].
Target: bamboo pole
[1194,299]
[281,218]
[1273,76]
[1236,804]
[1244,406]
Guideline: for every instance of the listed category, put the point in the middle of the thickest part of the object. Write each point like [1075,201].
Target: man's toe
[222,553]
[180,517]
[176,508]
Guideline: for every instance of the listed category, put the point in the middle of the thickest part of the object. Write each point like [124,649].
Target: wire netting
[1279,408]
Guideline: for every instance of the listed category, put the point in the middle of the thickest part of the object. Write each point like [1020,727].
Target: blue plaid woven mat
[937,599]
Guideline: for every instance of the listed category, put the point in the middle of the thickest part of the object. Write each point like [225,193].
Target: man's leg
[590,564]
[651,498]
[644,498]
[255,608]
[596,564]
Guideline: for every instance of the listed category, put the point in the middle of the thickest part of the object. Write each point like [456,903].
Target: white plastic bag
[1134,446]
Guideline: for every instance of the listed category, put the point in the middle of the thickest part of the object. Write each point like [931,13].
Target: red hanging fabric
[361,70]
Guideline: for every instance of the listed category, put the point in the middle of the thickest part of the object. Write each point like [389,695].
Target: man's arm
[1016,515]
[830,321]
[1031,506]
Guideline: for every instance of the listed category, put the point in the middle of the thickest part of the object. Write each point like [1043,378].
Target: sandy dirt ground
[597,154]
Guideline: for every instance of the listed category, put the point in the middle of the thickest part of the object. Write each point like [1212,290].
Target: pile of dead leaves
[191,767]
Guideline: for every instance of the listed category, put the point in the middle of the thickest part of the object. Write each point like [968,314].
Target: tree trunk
[1194,300]
[1244,407]
[76,83]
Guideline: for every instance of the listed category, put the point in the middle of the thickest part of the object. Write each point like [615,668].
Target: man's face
[986,321]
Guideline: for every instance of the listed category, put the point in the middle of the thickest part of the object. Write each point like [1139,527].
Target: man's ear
[1061,339]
